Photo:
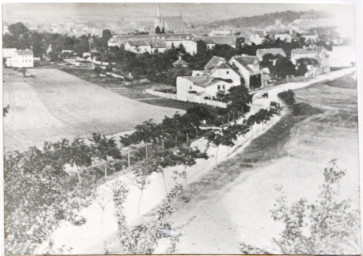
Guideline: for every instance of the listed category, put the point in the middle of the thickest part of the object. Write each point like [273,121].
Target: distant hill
[263,20]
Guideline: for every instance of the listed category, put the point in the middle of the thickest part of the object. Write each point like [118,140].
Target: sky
[45,13]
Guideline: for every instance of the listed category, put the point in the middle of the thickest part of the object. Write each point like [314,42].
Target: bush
[288,97]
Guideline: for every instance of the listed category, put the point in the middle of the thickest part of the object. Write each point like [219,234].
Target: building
[161,42]
[18,58]
[138,46]
[318,53]
[180,62]
[214,62]
[211,42]
[158,46]
[227,73]
[273,51]
[310,38]
[217,76]
[256,38]
[301,53]
[246,66]
[198,88]
[167,24]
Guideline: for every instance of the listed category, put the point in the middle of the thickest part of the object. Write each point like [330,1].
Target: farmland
[54,105]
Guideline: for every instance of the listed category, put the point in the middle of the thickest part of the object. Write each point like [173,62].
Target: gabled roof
[245,61]
[180,62]
[158,44]
[213,62]
[205,81]
[223,65]
[222,40]
[273,51]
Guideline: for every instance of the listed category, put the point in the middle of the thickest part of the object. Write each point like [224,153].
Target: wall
[162,94]
[222,73]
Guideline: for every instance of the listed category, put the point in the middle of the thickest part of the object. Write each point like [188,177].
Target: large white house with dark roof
[18,58]
[190,88]
[217,76]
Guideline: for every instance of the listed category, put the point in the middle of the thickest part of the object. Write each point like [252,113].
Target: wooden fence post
[146,151]
[187,138]
[128,158]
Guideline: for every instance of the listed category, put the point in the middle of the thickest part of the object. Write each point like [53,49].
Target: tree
[255,81]
[328,225]
[6,110]
[283,67]
[103,148]
[238,98]
[144,238]
[80,156]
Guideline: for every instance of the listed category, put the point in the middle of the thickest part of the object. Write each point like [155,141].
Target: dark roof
[247,59]
[223,65]
[273,51]
[221,40]
[180,62]
[205,81]
[213,62]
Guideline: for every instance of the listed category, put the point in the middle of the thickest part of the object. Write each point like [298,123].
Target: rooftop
[273,51]
[214,62]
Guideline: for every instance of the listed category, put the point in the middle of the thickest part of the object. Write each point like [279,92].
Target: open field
[55,105]
[235,199]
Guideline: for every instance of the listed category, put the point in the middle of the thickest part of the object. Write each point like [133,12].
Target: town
[172,131]
[196,67]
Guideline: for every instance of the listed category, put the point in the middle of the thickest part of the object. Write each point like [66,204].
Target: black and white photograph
[180,128]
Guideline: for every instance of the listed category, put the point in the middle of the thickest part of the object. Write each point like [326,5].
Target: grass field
[55,105]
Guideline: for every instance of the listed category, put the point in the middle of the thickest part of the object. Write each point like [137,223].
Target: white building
[158,46]
[198,88]
[138,46]
[18,58]
[189,45]
[246,66]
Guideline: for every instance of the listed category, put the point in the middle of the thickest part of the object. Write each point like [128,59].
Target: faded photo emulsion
[180,128]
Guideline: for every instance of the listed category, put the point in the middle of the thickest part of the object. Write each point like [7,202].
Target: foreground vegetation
[327,225]
[45,186]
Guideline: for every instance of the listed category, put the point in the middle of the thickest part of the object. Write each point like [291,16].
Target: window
[191,87]
[219,87]
[227,72]
[223,87]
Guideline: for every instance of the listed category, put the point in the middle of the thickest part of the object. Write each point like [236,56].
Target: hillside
[263,20]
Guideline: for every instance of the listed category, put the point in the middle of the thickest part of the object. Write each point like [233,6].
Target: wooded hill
[264,20]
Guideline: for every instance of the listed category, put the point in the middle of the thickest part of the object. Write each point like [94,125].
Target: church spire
[158,11]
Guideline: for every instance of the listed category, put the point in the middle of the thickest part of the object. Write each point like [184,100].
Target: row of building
[219,75]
